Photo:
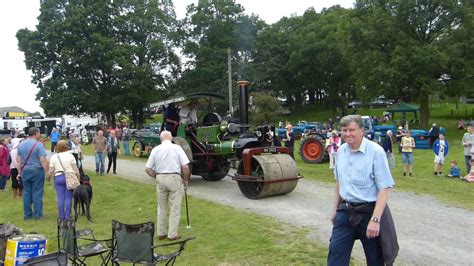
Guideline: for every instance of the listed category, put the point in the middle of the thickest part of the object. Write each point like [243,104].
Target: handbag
[71,178]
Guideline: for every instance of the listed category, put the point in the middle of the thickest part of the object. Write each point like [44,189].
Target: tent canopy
[404,108]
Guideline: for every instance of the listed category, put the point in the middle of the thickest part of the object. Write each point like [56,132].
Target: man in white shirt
[188,114]
[169,165]
[467,143]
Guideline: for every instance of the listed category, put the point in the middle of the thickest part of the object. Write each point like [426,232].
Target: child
[454,171]
[470,177]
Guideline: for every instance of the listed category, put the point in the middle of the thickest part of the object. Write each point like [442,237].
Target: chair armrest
[95,239]
[181,242]
[83,232]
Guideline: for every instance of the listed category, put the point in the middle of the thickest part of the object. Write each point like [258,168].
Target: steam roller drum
[270,168]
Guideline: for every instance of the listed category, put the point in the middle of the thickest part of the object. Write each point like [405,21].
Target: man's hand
[373,229]
[185,184]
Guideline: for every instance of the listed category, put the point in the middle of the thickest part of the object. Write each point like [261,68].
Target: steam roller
[265,172]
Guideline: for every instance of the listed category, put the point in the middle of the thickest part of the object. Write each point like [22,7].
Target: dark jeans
[343,237]
[33,187]
[112,159]
[63,196]
[53,146]
[3,181]
[467,160]
[292,151]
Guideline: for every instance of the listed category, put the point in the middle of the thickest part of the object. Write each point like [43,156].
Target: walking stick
[187,210]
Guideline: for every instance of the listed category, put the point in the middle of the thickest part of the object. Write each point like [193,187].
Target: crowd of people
[405,143]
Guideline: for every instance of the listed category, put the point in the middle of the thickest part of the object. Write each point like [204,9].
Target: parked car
[379,103]
[355,104]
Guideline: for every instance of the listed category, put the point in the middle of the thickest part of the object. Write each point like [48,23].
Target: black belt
[169,174]
[355,204]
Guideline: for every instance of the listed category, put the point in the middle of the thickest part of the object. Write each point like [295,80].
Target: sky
[16,88]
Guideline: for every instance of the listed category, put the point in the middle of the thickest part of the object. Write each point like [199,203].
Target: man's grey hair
[165,135]
[389,132]
[32,131]
[346,120]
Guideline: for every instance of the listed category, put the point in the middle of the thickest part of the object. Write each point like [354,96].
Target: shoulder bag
[24,164]
[71,178]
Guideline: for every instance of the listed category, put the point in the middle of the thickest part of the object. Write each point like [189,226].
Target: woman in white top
[64,196]
[17,186]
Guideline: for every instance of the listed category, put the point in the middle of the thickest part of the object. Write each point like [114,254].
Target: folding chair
[54,259]
[68,237]
[133,243]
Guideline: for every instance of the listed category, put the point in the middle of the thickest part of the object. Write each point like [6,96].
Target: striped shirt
[362,173]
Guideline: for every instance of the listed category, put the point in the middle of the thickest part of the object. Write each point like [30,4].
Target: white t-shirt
[167,158]
[187,115]
[67,159]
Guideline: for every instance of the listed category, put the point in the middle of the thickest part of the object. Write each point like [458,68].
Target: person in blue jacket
[440,149]
[55,136]
[454,171]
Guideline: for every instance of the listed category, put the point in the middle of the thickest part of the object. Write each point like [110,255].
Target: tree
[270,70]
[397,46]
[210,28]
[99,56]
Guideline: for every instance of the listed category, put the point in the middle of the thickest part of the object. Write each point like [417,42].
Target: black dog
[83,195]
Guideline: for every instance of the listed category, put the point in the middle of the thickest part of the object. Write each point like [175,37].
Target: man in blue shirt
[363,181]
[32,166]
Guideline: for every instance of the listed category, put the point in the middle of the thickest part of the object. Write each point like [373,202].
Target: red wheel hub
[312,150]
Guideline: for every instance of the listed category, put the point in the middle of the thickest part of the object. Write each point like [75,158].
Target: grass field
[223,235]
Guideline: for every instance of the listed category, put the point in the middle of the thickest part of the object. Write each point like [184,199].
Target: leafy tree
[397,47]
[270,69]
[99,56]
[265,108]
[210,29]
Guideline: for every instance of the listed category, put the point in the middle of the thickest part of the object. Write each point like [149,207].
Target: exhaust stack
[243,104]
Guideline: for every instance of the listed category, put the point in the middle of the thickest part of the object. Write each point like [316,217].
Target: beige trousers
[169,191]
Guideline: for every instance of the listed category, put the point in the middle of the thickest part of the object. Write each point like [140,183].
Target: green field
[224,235]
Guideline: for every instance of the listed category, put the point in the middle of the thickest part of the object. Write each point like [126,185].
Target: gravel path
[429,231]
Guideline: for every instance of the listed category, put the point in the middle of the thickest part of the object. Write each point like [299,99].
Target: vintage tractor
[314,141]
[215,145]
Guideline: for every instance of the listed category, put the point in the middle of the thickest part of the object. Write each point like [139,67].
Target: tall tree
[98,56]
[397,46]
[211,28]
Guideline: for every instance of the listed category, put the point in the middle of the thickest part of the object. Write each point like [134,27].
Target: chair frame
[168,258]
[75,258]
[48,257]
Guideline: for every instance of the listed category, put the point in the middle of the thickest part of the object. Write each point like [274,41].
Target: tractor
[313,144]
[215,145]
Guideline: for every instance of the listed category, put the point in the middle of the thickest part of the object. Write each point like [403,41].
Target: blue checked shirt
[362,173]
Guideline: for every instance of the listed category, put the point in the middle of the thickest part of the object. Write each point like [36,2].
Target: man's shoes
[404,174]
[410,174]
[163,237]
[97,172]
[115,173]
[174,238]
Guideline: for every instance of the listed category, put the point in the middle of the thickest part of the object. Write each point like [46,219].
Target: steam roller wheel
[269,167]
[216,169]
[137,149]
[312,149]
